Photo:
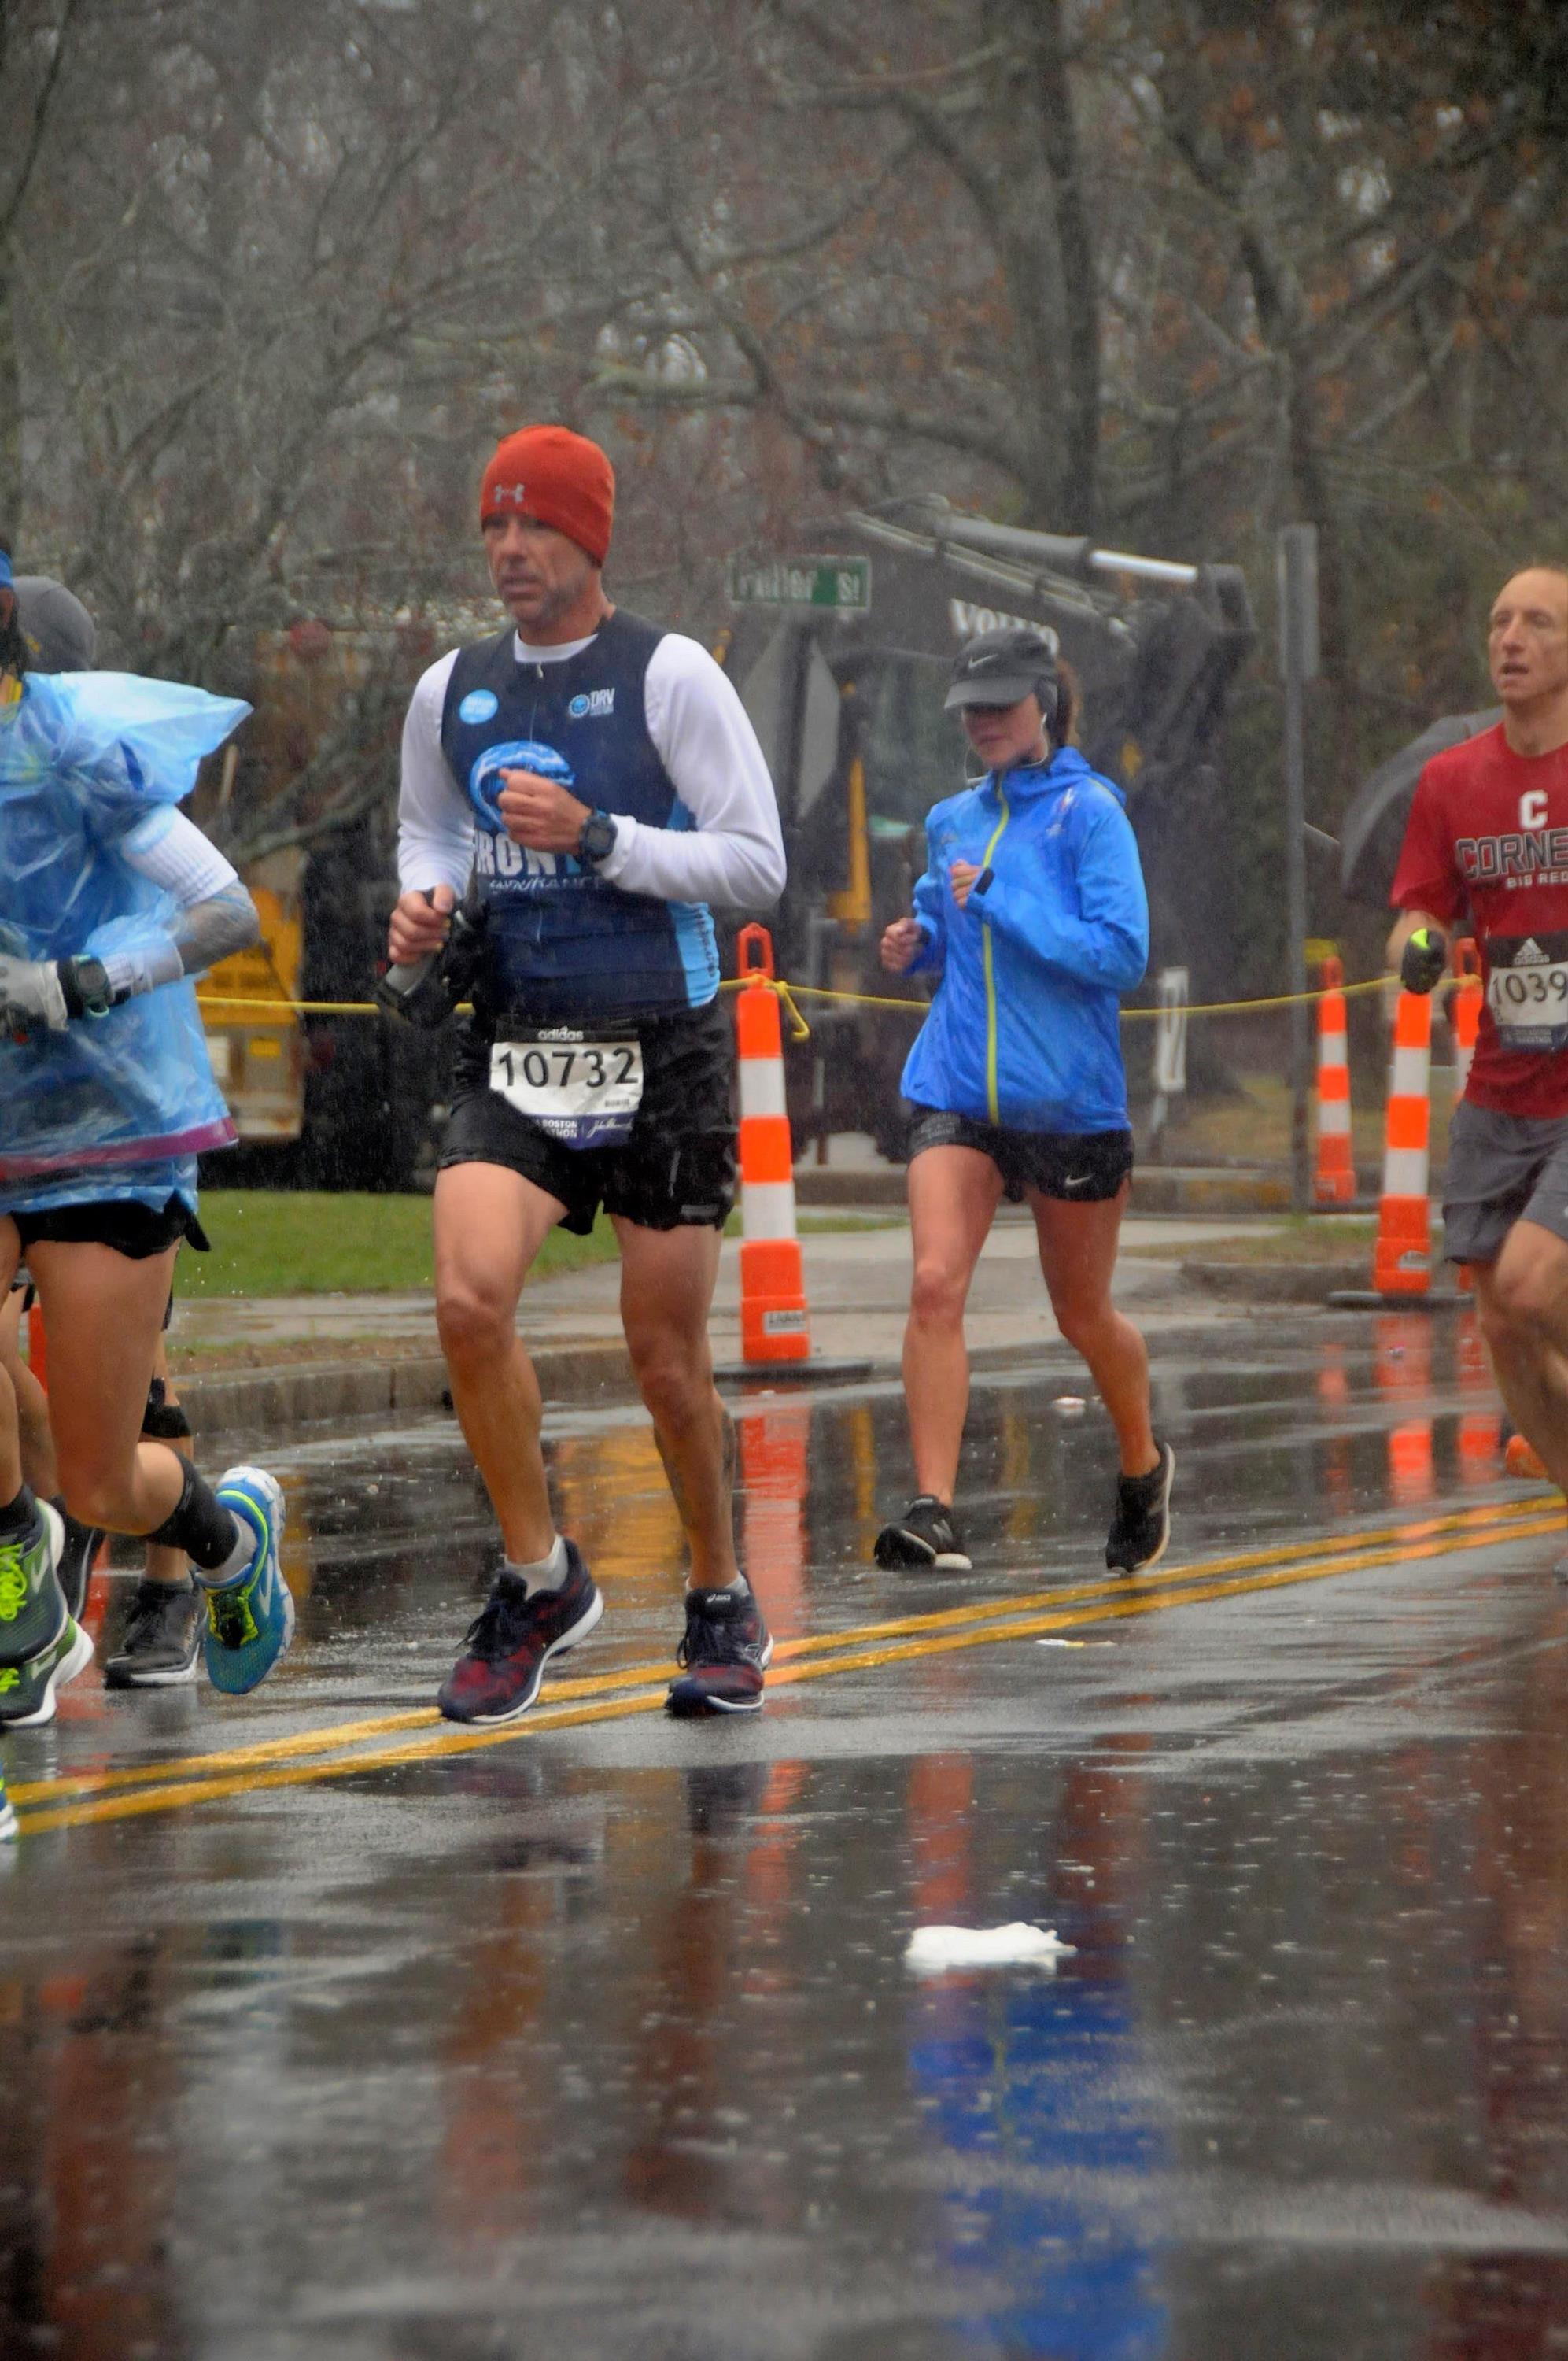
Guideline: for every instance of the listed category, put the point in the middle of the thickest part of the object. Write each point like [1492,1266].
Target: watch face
[597,840]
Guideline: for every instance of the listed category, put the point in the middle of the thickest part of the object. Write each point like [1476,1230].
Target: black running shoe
[925,1535]
[161,1643]
[1140,1529]
[508,1646]
[74,1571]
[724,1651]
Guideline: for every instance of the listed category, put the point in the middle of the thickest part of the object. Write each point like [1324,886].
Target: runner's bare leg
[667,1278]
[490,1225]
[1522,1299]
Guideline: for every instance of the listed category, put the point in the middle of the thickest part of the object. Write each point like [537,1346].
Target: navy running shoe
[507,1647]
[723,1654]
[8,1816]
[250,1618]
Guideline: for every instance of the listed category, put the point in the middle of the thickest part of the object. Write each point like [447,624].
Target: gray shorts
[1502,1168]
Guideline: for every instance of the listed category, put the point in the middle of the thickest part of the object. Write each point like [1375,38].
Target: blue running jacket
[1022,1031]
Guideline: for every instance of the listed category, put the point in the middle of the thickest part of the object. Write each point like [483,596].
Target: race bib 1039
[1527,990]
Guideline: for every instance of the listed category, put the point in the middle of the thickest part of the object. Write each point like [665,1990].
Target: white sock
[544,1573]
[736,1582]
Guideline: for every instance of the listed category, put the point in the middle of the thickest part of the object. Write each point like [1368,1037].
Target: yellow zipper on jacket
[990,1097]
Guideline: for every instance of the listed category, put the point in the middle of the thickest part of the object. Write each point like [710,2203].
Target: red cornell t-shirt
[1488,831]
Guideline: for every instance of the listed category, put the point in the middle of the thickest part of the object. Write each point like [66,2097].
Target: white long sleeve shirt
[732,857]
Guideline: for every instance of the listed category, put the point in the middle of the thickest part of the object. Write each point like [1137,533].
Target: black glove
[425,993]
[1425,960]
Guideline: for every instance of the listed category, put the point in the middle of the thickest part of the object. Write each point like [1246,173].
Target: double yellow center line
[388,1741]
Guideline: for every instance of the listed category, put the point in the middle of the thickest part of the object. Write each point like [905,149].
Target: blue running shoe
[250,1618]
[8,1816]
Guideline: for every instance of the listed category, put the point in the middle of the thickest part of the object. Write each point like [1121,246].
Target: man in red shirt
[1488,833]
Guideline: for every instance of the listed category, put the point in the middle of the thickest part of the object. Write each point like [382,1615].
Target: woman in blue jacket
[1032,912]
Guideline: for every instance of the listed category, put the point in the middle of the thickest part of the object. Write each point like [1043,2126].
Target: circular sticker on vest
[577,707]
[479,705]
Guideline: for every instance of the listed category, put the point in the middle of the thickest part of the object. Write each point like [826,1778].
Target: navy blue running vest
[563,946]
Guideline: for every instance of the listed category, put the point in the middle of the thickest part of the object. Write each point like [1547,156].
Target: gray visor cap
[1001,667]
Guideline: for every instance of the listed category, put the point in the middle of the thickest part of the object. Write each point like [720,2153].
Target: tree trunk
[10,407]
[1080,297]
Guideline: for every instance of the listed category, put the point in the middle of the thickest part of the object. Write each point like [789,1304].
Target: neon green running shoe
[40,1645]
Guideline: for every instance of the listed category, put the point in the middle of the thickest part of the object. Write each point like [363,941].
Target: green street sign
[843,583]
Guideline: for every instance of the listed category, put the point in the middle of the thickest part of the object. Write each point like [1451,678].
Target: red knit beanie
[558,477]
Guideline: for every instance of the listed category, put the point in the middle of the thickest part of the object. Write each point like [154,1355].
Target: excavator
[842,664]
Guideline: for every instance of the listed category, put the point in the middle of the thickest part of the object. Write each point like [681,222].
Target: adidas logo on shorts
[1530,954]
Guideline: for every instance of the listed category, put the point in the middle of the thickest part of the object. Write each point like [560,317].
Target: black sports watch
[597,842]
[84,987]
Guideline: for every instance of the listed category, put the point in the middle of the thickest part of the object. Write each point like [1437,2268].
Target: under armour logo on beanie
[558,477]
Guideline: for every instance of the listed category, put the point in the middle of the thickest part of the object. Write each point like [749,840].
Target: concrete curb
[1157,1188]
[1251,1283]
[270,1400]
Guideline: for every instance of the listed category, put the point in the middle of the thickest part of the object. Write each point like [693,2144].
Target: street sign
[842,584]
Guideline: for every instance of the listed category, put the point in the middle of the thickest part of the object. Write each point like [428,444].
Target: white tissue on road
[933,1950]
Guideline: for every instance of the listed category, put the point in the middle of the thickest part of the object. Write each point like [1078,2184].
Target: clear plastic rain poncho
[84,757]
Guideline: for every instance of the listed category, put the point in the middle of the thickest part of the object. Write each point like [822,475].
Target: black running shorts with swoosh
[1079,1168]
[676,1170]
[137,1230]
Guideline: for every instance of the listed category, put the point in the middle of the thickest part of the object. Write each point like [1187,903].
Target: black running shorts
[677,1169]
[132,1230]
[1079,1168]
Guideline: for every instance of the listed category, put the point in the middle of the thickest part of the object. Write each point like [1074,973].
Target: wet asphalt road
[599,2041]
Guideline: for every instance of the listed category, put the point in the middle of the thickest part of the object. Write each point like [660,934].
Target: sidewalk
[316,1357]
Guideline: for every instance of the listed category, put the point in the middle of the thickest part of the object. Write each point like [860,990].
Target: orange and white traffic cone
[774,1324]
[1334,1182]
[1464,1011]
[1401,1262]
[1465,1015]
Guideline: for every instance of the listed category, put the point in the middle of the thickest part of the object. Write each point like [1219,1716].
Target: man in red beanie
[588,784]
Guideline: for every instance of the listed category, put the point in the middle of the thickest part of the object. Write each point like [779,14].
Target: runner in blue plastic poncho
[110,901]
[1032,910]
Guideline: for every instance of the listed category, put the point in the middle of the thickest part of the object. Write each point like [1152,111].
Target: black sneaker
[1141,1526]
[75,1570]
[508,1646]
[925,1535]
[161,1643]
[724,1651]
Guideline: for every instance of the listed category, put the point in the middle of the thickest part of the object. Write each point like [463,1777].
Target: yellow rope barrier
[279,1010]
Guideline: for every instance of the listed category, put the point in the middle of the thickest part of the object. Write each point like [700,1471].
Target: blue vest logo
[512,754]
[479,705]
[597,704]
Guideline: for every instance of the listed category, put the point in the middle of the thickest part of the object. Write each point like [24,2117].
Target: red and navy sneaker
[508,1646]
[723,1654]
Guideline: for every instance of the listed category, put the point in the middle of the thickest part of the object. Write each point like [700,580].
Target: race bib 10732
[583,1091]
